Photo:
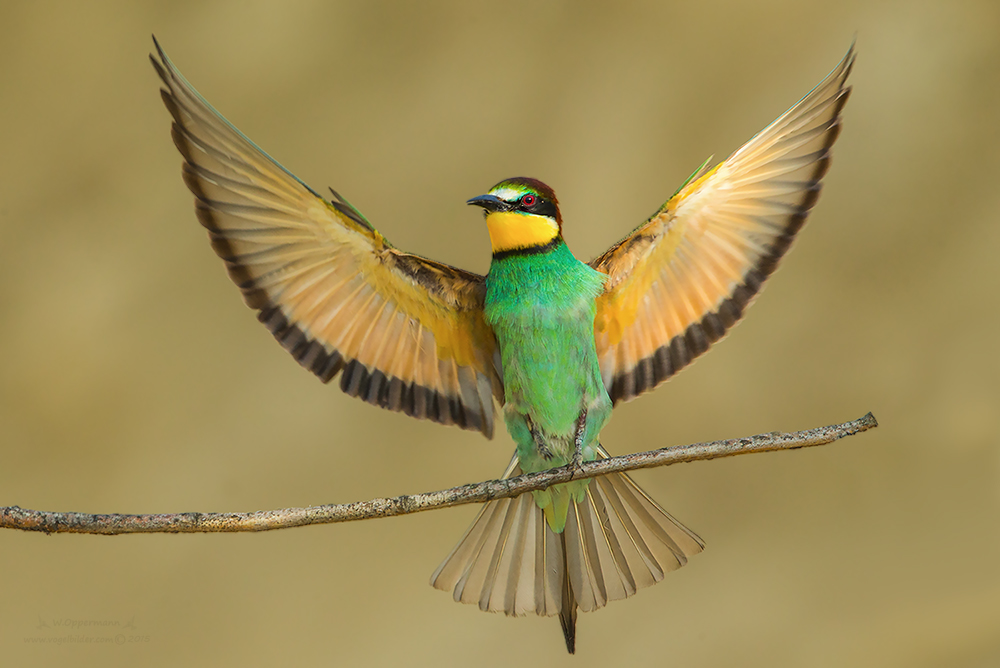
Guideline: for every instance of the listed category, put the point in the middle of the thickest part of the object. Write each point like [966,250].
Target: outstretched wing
[679,282]
[405,333]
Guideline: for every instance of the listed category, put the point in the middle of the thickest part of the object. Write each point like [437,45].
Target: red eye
[528,200]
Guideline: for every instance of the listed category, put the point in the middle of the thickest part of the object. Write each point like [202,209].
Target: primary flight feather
[555,341]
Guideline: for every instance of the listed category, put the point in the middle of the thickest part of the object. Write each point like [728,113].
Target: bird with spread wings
[409,334]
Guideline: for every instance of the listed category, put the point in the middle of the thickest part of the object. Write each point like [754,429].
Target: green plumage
[541,307]
[577,545]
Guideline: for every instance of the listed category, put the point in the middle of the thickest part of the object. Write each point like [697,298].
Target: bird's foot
[543,450]
[581,427]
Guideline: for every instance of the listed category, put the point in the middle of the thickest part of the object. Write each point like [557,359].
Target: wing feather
[405,333]
[680,281]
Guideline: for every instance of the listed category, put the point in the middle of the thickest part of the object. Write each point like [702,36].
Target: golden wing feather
[679,282]
[405,333]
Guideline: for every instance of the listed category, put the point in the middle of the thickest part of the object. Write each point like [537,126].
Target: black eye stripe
[541,207]
[545,208]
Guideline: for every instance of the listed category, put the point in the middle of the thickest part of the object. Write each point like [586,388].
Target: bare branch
[52,522]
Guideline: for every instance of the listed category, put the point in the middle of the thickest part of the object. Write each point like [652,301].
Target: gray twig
[14,517]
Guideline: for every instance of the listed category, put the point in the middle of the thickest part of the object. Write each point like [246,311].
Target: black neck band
[529,250]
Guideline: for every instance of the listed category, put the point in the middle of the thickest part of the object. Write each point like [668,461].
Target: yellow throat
[510,230]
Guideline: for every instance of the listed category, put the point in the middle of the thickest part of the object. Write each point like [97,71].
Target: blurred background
[133,379]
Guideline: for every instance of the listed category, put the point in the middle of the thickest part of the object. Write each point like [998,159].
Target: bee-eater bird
[556,342]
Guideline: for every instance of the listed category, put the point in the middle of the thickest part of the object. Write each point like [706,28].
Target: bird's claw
[576,464]
[543,449]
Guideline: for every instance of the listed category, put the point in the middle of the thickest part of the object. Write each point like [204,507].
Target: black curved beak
[490,203]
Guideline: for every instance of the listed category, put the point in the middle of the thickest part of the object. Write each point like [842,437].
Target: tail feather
[617,540]
[663,543]
[590,553]
[567,614]
[507,561]
[476,584]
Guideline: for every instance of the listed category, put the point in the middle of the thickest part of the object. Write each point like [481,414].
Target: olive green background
[133,379]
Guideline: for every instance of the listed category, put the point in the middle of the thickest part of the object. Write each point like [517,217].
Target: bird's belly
[550,376]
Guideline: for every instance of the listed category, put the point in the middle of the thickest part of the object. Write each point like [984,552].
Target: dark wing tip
[162,57]
[372,386]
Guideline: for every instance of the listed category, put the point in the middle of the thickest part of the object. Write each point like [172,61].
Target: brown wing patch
[405,333]
[684,278]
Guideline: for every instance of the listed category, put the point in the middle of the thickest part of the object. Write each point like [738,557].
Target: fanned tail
[616,541]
